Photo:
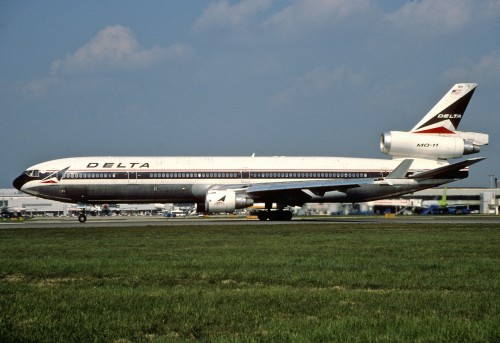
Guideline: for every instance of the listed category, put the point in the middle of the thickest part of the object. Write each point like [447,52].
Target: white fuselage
[139,179]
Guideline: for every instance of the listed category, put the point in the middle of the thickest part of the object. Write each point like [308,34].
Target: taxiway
[218,220]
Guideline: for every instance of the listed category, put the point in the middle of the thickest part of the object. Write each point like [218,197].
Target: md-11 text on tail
[224,184]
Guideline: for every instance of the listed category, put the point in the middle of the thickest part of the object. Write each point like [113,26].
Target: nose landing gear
[82,217]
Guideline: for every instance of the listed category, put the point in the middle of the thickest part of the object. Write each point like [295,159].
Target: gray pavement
[120,221]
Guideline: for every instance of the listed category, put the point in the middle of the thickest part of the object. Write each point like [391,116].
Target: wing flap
[318,187]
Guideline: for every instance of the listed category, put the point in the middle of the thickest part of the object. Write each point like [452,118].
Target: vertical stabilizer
[445,116]
[442,202]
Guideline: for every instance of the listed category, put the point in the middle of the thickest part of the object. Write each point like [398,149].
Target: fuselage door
[132,177]
[245,175]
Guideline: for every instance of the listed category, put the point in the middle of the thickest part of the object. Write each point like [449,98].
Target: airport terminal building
[477,200]
[14,201]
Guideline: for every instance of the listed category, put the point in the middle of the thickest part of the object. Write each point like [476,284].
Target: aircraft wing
[297,193]
[318,187]
[446,170]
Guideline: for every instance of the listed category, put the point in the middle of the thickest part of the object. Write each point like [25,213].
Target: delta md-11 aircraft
[225,184]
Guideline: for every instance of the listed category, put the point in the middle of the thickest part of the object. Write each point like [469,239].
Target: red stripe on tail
[440,129]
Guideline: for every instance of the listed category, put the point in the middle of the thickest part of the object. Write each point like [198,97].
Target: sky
[233,78]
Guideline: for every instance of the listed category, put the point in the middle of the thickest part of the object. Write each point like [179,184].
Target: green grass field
[253,283]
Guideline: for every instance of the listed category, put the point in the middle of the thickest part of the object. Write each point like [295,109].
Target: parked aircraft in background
[224,184]
[441,206]
[10,212]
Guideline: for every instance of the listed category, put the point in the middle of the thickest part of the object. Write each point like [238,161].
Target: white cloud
[115,47]
[37,88]
[317,81]
[487,68]
[303,14]
[222,14]
[443,16]
[448,14]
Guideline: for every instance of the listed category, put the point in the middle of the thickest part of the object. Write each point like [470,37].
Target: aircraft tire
[262,215]
[82,218]
[287,215]
[280,215]
[274,215]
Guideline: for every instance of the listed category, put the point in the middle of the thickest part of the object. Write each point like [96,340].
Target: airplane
[435,206]
[442,206]
[225,184]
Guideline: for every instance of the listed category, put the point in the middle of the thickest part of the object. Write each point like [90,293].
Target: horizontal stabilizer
[442,171]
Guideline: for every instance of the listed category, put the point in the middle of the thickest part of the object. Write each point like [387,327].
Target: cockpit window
[33,173]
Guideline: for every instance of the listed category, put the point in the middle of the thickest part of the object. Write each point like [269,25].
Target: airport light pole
[493,184]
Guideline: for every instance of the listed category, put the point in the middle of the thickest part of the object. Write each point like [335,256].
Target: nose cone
[20,181]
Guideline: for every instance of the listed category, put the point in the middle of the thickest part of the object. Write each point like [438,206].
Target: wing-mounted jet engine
[224,201]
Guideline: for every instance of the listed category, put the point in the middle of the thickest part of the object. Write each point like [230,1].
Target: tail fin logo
[449,116]
[445,116]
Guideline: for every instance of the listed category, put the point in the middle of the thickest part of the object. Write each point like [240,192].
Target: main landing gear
[276,215]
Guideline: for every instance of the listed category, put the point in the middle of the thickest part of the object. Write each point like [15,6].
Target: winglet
[401,170]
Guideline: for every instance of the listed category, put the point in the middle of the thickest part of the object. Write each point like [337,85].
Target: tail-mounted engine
[224,201]
[431,146]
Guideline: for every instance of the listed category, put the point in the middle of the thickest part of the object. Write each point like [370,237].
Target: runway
[63,222]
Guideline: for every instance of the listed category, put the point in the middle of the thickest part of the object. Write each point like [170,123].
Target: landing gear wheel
[287,215]
[280,215]
[262,215]
[82,218]
[274,215]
